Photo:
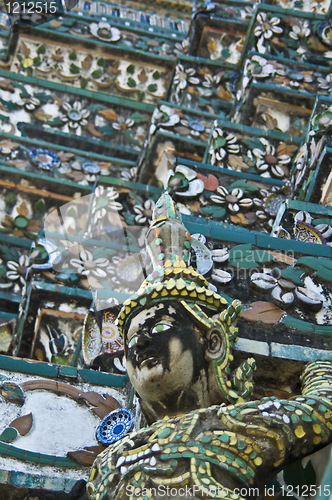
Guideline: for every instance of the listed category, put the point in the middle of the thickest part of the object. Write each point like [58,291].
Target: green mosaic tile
[4,476]
[24,479]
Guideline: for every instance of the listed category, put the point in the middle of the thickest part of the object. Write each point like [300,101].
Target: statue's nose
[143,339]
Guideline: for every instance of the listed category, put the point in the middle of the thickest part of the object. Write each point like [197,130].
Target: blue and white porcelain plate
[90,168]
[114,426]
[44,159]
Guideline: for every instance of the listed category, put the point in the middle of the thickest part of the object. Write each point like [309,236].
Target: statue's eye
[132,341]
[161,327]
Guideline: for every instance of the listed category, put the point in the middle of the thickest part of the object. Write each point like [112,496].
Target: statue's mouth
[148,360]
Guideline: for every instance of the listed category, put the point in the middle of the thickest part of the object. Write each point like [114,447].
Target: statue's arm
[286,430]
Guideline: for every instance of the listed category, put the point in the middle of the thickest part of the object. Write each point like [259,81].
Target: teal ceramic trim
[315,175]
[5,314]
[86,141]
[310,207]
[225,232]
[206,153]
[246,129]
[252,346]
[44,178]
[22,479]
[299,353]
[194,60]
[32,367]
[307,327]
[11,297]
[305,65]
[194,111]
[286,12]
[101,378]
[68,371]
[158,31]
[30,456]
[66,290]
[36,143]
[298,324]
[114,181]
[178,137]
[266,87]
[15,241]
[87,241]
[226,23]
[231,173]
[118,46]
[89,94]
[42,369]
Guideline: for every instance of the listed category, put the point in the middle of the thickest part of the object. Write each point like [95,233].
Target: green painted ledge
[225,232]
[156,59]
[39,458]
[305,326]
[39,143]
[50,180]
[227,171]
[89,94]
[42,369]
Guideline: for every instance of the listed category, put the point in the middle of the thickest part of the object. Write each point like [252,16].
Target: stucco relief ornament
[203,431]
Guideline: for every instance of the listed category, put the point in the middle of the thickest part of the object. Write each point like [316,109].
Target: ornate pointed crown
[168,244]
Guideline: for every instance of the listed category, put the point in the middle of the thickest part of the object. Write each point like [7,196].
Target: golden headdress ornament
[168,244]
[173,278]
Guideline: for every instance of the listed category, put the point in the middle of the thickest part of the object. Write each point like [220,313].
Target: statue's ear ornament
[236,386]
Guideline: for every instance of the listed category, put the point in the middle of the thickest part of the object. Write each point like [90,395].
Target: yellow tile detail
[299,432]
[317,428]
[233,441]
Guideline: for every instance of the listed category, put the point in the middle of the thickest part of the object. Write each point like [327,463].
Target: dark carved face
[165,356]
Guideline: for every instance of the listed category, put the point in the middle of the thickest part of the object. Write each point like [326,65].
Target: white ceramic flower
[105,198]
[75,116]
[284,291]
[268,162]
[144,213]
[183,76]
[106,32]
[184,176]
[299,32]
[17,270]
[30,103]
[325,83]
[122,123]
[87,265]
[267,27]
[233,199]
[222,145]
